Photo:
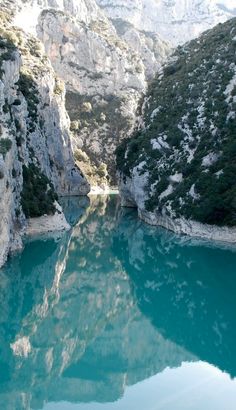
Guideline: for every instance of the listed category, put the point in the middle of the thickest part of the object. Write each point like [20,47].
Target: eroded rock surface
[36,160]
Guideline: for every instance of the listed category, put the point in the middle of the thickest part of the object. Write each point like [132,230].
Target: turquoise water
[118,315]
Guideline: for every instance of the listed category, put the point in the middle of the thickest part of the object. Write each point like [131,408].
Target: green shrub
[5,107]
[59,87]
[17,101]
[38,194]
[27,86]
[5,146]
[14,174]
[102,170]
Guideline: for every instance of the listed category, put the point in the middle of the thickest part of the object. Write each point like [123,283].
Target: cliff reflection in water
[111,303]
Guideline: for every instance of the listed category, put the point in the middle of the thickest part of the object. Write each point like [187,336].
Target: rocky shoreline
[190,228]
[132,194]
[47,224]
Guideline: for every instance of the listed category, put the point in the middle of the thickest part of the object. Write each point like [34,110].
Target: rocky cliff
[106,51]
[104,77]
[177,21]
[104,83]
[36,161]
[179,167]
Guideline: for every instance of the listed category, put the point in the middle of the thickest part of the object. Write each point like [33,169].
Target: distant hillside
[177,21]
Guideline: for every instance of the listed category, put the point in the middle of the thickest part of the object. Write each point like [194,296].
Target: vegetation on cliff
[38,195]
[187,145]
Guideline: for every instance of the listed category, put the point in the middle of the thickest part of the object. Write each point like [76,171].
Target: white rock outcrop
[47,224]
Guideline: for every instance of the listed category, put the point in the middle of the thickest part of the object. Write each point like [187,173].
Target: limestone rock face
[151,47]
[104,81]
[179,166]
[87,10]
[35,147]
[105,68]
[177,21]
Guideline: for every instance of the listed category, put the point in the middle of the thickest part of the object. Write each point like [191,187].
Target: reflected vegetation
[186,288]
[109,304]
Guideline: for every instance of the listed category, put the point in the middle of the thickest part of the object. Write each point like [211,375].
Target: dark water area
[116,314]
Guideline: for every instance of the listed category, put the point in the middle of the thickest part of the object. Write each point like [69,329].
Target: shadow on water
[109,304]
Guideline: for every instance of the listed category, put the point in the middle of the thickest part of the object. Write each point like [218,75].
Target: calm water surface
[118,315]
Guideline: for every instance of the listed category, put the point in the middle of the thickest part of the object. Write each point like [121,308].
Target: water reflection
[108,305]
[187,289]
